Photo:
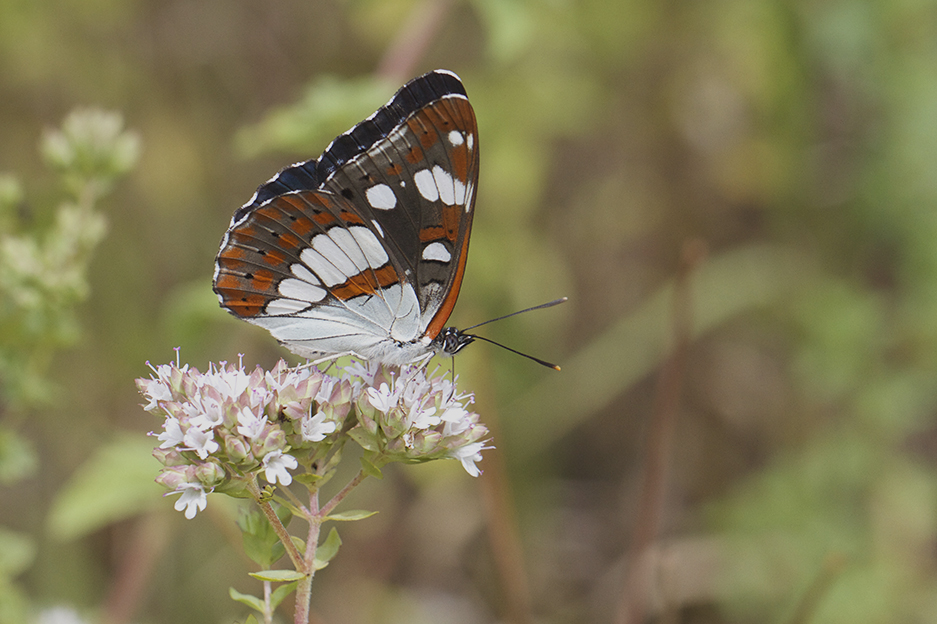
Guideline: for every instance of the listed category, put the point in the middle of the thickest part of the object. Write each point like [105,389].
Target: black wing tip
[311,174]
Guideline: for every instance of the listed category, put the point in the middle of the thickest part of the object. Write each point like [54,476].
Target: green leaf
[371,469]
[251,619]
[17,552]
[234,489]
[116,483]
[277,576]
[280,593]
[285,514]
[18,459]
[364,439]
[307,478]
[349,516]
[327,549]
[258,538]
[330,104]
[251,601]
[299,543]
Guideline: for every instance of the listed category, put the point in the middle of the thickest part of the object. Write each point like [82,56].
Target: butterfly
[362,250]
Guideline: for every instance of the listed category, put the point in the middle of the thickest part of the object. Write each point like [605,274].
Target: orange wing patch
[366,283]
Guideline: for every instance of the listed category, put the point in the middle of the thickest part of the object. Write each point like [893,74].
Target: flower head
[228,424]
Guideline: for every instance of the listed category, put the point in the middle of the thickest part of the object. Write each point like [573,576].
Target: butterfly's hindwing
[363,249]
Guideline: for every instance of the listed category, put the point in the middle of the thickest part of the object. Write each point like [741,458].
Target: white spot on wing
[426,184]
[324,269]
[436,251]
[455,137]
[347,243]
[279,307]
[300,271]
[335,254]
[446,186]
[381,197]
[470,141]
[377,226]
[301,291]
[374,252]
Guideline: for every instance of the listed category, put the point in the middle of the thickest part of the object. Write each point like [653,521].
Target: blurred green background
[789,145]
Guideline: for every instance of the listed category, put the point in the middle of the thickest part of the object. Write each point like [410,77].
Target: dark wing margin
[313,173]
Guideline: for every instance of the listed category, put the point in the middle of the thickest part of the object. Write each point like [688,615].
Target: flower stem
[268,612]
[278,527]
[329,506]
[304,587]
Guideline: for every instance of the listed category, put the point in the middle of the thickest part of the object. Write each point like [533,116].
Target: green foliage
[114,484]
[253,602]
[327,549]
[277,576]
[43,276]
[43,272]
[260,542]
[350,516]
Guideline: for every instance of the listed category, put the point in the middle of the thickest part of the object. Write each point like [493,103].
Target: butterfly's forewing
[363,249]
[417,188]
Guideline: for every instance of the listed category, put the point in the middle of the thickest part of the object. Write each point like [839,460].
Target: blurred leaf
[369,468]
[299,543]
[329,107]
[18,458]
[327,549]
[251,601]
[278,576]
[736,282]
[115,483]
[510,25]
[260,541]
[348,516]
[280,594]
[17,552]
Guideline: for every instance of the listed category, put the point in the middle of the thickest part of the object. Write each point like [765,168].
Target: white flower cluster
[224,426]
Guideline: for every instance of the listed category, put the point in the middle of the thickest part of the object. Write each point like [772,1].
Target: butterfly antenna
[529,357]
[549,304]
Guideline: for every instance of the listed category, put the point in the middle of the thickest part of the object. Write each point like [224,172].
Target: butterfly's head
[450,341]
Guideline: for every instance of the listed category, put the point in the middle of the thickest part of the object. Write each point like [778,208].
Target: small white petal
[277,466]
[193,499]
[250,425]
[316,428]
[202,442]
[172,434]
[383,398]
